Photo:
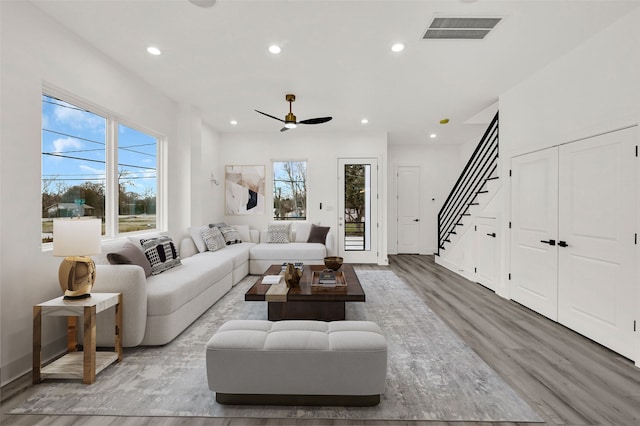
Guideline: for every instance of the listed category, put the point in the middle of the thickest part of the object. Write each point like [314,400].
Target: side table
[76,364]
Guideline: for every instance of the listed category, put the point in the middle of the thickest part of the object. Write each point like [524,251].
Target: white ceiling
[335,57]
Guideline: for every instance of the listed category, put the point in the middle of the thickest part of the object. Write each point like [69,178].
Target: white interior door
[597,224]
[486,252]
[358,209]
[408,209]
[534,223]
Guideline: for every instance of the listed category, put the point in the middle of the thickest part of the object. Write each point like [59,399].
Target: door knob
[550,242]
[563,243]
[493,234]
[416,220]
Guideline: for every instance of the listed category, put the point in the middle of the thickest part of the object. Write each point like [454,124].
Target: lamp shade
[76,237]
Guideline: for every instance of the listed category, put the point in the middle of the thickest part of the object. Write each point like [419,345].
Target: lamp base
[77,275]
[82,296]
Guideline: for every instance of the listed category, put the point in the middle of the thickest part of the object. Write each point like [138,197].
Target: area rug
[432,374]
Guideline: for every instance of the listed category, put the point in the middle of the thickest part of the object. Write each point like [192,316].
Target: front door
[358,210]
[408,209]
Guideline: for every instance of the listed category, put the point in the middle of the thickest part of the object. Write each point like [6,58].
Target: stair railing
[472,181]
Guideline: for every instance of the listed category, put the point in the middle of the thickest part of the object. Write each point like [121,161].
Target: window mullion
[111,216]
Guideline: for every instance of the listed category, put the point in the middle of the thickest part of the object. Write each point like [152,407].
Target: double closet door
[573,236]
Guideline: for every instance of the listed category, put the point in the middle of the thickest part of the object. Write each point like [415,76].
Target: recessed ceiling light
[233,122]
[275,49]
[154,51]
[398,47]
[433,135]
[364,121]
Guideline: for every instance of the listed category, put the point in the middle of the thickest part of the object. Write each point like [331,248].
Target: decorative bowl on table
[333,262]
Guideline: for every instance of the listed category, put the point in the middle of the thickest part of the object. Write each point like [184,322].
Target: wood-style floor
[565,377]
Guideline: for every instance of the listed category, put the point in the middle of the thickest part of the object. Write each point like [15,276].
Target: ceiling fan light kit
[290,121]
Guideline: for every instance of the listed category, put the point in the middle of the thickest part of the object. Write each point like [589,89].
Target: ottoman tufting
[297,363]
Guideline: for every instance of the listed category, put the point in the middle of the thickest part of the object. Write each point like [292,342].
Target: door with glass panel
[358,209]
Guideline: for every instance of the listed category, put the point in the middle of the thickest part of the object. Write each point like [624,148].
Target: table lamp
[76,240]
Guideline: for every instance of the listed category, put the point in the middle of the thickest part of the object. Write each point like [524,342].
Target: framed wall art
[244,190]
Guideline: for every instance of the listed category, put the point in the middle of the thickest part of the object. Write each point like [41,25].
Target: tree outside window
[289,190]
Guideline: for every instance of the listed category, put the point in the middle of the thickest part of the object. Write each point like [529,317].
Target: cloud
[60,145]
[91,170]
[68,114]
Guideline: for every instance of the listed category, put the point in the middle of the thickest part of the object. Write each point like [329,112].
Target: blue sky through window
[74,150]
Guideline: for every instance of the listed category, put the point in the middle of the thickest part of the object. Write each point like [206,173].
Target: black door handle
[563,243]
[493,234]
[550,242]
[416,220]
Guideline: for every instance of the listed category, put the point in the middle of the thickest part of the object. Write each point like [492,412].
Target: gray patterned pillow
[161,253]
[230,235]
[278,233]
[213,239]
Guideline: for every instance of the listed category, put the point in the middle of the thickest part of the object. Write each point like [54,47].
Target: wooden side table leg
[37,344]
[72,334]
[89,362]
[118,346]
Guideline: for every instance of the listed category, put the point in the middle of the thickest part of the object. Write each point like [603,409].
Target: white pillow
[196,236]
[302,231]
[278,233]
[243,232]
[213,239]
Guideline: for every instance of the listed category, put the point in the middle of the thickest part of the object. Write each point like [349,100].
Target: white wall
[55,56]
[440,166]
[321,151]
[593,89]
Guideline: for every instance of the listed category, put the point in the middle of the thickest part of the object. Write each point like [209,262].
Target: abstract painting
[244,190]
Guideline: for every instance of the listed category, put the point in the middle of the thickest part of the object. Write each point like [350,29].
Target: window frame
[113,120]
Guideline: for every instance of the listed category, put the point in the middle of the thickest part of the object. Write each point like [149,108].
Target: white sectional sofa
[265,254]
[157,308]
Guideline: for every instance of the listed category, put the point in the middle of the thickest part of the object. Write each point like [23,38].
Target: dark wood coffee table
[307,302]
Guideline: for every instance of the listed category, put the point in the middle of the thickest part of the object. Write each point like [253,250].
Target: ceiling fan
[290,119]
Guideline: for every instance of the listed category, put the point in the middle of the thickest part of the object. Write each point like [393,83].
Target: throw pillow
[243,232]
[318,234]
[213,239]
[228,232]
[129,254]
[162,254]
[278,233]
[302,231]
[196,236]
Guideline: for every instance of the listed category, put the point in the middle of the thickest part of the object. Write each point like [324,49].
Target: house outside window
[289,190]
[88,170]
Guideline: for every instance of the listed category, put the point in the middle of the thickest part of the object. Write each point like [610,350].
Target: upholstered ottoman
[297,363]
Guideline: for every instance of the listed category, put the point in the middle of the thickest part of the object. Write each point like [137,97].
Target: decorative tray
[339,276]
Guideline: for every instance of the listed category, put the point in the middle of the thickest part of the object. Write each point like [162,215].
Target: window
[76,169]
[289,190]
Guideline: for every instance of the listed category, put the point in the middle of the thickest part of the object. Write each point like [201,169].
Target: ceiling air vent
[459,28]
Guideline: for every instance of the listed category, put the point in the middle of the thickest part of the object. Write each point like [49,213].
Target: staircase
[473,181]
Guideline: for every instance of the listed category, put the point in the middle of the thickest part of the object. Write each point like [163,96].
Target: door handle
[563,243]
[416,220]
[550,242]
[493,234]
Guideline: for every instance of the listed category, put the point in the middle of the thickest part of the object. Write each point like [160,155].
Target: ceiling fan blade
[318,120]
[268,115]
[284,129]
